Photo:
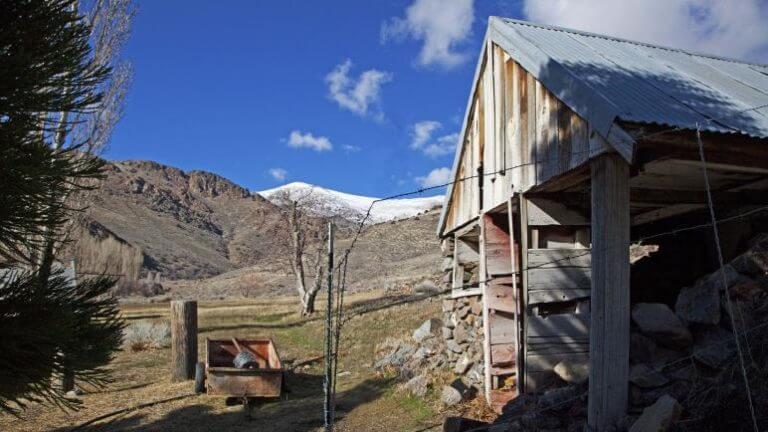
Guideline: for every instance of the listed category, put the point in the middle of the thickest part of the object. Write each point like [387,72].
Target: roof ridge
[624,40]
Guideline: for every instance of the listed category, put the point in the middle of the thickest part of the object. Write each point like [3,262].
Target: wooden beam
[609,325]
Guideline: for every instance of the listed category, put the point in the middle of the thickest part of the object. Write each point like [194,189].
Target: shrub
[144,335]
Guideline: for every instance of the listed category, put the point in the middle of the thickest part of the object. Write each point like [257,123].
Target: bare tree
[305,245]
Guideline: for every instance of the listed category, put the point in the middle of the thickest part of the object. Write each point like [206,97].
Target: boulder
[573,372]
[658,417]
[699,304]
[645,377]
[428,329]
[657,321]
[715,279]
[417,385]
[464,363]
[714,347]
[450,396]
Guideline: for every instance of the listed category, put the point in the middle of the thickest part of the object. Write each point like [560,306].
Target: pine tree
[50,326]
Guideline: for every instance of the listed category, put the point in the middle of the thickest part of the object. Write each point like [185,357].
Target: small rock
[460,333]
[699,304]
[714,347]
[463,312]
[475,306]
[659,322]
[453,346]
[573,372]
[642,349]
[428,329]
[418,385]
[645,377]
[73,394]
[426,287]
[461,424]
[464,363]
[450,396]
[753,262]
[344,374]
[658,417]
[447,305]
[556,398]
[447,333]
[447,264]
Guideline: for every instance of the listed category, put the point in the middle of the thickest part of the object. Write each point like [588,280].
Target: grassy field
[366,401]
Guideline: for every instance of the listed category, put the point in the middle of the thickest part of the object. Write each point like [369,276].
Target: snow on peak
[330,203]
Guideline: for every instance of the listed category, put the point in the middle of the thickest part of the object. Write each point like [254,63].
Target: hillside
[190,226]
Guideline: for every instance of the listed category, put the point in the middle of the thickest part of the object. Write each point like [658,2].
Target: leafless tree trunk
[298,233]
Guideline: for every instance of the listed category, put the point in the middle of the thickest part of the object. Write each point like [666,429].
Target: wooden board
[553,258]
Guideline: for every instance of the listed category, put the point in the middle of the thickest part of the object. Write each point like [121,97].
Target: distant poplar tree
[50,326]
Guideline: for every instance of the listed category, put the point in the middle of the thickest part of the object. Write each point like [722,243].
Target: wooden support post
[609,325]
[183,339]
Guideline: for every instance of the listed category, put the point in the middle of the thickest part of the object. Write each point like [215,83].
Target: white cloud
[351,148]
[440,24]
[278,174]
[361,95]
[731,28]
[436,177]
[422,139]
[306,140]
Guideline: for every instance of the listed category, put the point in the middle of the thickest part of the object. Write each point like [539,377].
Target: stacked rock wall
[463,336]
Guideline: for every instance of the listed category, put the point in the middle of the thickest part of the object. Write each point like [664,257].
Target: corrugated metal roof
[639,82]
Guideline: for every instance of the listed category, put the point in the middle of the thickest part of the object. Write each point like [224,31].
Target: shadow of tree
[301,409]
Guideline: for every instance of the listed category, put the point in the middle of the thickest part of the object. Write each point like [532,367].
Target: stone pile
[452,344]
[683,361]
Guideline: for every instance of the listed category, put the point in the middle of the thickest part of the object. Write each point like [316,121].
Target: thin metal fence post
[328,384]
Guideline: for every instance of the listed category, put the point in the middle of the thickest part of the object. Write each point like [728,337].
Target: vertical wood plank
[515,257]
[486,321]
[514,125]
[183,339]
[531,130]
[524,246]
[542,133]
[553,144]
[609,326]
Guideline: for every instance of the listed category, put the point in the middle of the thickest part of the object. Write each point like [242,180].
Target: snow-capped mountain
[330,203]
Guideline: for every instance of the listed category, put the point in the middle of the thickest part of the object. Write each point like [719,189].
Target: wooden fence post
[183,339]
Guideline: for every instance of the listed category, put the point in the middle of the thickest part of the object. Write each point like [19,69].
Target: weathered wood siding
[557,283]
[519,133]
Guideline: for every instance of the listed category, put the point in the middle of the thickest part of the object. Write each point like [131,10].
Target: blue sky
[364,97]
[222,88]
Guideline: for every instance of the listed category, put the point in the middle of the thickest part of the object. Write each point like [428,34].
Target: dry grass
[366,402]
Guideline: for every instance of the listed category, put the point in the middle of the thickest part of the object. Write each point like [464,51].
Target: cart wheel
[200,378]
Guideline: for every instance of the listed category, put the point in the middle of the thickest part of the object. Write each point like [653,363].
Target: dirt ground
[366,401]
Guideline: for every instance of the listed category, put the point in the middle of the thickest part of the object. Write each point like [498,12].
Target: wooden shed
[573,145]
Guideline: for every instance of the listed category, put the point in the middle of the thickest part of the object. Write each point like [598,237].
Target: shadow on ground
[300,410]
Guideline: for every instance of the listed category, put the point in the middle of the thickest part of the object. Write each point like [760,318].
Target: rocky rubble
[684,374]
[452,345]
